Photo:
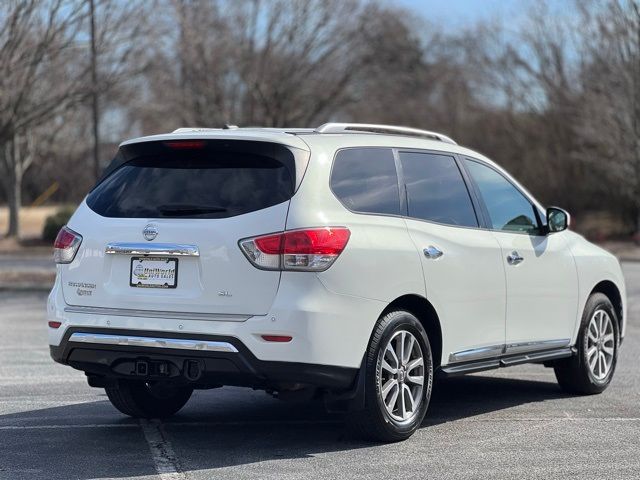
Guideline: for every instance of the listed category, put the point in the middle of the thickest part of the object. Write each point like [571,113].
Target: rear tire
[398,380]
[139,399]
[591,369]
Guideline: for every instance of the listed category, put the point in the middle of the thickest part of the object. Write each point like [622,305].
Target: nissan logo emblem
[150,232]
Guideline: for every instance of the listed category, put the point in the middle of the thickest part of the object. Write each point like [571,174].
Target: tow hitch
[152,368]
[192,370]
[143,367]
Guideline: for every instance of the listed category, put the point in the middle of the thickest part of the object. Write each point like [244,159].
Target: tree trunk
[95,112]
[17,161]
[15,202]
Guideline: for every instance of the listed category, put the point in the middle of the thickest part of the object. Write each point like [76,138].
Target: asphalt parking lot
[512,423]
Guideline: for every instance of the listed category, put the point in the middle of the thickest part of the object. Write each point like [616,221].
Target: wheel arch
[424,311]
[426,314]
[612,292]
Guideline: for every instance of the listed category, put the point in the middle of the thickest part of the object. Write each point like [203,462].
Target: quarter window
[508,208]
[365,180]
[436,190]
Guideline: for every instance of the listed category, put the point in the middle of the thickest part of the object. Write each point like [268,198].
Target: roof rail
[383,129]
[204,129]
[194,129]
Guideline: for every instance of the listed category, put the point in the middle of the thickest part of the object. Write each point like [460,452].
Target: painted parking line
[60,427]
[162,453]
[25,381]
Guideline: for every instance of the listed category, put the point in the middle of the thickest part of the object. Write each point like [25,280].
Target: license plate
[154,272]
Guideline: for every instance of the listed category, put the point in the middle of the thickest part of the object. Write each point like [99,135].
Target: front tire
[590,371]
[399,378]
[140,399]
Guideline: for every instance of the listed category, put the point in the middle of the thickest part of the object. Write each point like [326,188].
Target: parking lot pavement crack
[162,453]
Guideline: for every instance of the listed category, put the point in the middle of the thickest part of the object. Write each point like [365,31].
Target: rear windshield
[200,183]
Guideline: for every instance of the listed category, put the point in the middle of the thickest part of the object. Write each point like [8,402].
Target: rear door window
[200,183]
[436,190]
[365,180]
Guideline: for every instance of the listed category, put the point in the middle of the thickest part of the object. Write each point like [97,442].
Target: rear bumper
[199,359]
[326,328]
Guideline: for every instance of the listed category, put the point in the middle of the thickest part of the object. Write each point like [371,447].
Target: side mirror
[557,219]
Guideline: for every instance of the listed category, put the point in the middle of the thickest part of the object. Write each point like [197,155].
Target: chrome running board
[536,357]
[527,347]
[506,361]
[491,351]
[501,349]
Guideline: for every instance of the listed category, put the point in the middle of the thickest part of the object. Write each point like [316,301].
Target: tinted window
[508,209]
[436,190]
[198,184]
[365,180]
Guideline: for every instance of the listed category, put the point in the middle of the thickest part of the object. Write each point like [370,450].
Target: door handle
[514,258]
[432,252]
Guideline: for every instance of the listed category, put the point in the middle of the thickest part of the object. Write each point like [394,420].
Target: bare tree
[554,98]
[609,123]
[44,72]
[38,77]
[274,63]
[120,33]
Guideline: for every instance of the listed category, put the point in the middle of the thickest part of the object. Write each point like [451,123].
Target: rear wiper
[187,209]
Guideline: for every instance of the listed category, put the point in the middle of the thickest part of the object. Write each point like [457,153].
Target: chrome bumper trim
[153,342]
[156,249]
[127,312]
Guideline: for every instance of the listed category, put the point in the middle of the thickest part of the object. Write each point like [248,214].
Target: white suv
[351,262]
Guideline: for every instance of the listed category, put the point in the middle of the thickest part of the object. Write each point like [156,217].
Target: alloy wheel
[401,380]
[600,344]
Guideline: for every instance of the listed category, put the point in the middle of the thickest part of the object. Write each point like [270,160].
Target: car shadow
[219,428]
[471,395]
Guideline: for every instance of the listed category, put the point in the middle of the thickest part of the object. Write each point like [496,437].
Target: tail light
[66,245]
[311,250]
